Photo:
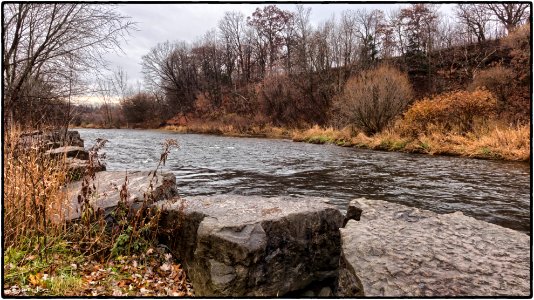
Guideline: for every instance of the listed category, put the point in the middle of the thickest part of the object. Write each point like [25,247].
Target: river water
[493,191]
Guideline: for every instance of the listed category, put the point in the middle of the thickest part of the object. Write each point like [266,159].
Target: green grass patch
[319,139]
[63,284]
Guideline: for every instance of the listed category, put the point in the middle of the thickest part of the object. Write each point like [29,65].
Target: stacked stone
[61,143]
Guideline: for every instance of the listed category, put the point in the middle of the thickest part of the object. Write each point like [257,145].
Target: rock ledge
[253,246]
[399,251]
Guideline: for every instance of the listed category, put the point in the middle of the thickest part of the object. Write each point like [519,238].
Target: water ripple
[497,192]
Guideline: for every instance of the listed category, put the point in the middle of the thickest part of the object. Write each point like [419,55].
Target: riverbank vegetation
[47,255]
[274,74]
[47,50]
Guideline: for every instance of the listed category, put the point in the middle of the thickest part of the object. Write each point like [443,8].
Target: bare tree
[475,17]
[270,24]
[420,21]
[120,84]
[348,38]
[105,92]
[510,14]
[369,31]
[395,22]
[232,28]
[207,55]
[39,41]
[171,67]
[303,31]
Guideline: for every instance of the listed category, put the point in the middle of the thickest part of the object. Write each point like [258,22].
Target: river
[493,191]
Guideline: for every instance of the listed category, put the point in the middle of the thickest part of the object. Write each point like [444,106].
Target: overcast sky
[161,22]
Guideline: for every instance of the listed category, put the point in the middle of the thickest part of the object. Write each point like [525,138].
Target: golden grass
[219,128]
[494,141]
[320,135]
[489,140]
[33,198]
[510,143]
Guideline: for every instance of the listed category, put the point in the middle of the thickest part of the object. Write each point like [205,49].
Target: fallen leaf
[124,282]
[117,292]
[35,280]
[165,267]
[167,256]
[31,257]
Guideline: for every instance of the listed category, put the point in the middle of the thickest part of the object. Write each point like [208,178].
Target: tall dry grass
[319,135]
[34,202]
[230,129]
[488,140]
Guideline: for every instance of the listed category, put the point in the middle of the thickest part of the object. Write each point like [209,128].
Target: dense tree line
[273,66]
[275,63]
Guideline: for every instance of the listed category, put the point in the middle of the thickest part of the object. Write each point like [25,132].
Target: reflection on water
[497,192]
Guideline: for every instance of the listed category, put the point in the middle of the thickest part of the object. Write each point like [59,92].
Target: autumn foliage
[454,112]
[33,197]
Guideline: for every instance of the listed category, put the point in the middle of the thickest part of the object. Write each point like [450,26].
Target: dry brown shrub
[520,50]
[279,100]
[498,80]
[139,108]
[454,112]
[374,98]
[202,104]
[520,97]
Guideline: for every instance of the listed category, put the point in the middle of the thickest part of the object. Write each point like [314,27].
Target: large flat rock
[399,251]
[253,246]
[69,151]
[109,183]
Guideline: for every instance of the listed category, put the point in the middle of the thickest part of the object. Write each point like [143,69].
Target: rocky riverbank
[399,251]
[256,246]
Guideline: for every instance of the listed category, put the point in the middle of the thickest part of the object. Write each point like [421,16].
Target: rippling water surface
[497,192]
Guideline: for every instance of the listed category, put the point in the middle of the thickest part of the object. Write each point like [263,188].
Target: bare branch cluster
[52,45]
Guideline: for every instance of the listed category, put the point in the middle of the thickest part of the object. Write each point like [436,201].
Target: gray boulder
[253,246]
[399,251]
[108,185]
[76,168]
[69,151]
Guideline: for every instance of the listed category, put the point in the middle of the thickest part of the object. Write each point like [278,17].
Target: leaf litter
[155,273]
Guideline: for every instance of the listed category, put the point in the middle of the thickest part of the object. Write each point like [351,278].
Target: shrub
[520,51]
[519,99]
[139,108]
[279,100]
[498,80]
[454,112]
[374,98]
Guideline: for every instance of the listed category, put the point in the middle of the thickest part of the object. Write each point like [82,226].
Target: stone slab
[69,151]
[109,183]
[253,246]
[399,251]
